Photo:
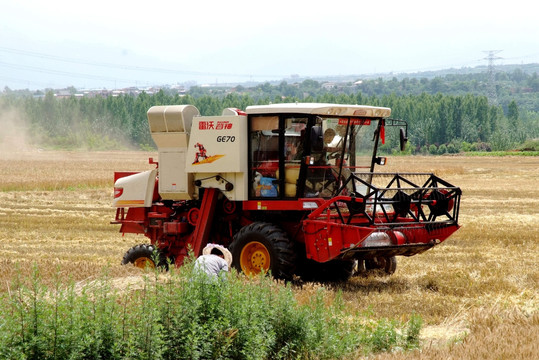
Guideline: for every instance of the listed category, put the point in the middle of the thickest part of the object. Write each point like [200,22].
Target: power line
[58,72]
[25,82]
[62,73]
[126,67]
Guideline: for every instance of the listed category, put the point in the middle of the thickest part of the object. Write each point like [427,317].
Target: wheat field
[477,292]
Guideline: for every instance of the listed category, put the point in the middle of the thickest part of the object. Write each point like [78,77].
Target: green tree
[512,111]
[533,82]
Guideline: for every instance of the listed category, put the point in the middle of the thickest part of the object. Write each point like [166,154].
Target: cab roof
[320,109]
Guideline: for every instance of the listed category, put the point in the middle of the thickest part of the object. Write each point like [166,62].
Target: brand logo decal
[214,125]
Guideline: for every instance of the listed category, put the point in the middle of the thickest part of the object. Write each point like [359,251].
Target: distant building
[329,85]
[62,94]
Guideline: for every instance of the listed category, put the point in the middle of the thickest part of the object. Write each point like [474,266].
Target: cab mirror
[403,139]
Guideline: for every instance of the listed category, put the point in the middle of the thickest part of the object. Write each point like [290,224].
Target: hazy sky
[108,44]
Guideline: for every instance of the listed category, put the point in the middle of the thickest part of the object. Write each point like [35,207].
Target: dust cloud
[14,133]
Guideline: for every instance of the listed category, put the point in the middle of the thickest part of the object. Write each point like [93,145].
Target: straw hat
[329,135]
[224,250]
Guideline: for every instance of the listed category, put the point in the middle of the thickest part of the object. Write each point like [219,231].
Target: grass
[186,315]
[480,285]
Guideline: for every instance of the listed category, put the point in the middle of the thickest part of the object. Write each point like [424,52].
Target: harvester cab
[288,188]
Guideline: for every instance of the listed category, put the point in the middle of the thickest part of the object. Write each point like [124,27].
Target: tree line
[437,123]
[520,84]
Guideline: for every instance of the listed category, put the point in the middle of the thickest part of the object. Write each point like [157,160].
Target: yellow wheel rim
[143,262]
[254,258]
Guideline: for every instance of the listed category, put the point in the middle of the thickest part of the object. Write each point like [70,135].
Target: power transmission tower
[491,88]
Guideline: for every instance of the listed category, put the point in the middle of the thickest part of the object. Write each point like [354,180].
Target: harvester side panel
[217,150]
[174,182]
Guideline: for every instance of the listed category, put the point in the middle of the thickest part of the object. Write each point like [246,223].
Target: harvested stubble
[477,288]
[55,210]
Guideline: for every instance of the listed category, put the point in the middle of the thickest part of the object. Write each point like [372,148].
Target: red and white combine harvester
[288,188]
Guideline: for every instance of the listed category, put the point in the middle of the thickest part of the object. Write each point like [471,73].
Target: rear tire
[143,256]
[261,247]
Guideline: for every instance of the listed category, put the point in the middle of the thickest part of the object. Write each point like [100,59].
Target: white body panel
[170,127]
[137,190]
[174,182]
[218,147]
[224,139]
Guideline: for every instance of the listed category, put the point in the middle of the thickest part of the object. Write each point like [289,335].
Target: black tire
[261,247]
[381,265]
[143,256]
[331,271]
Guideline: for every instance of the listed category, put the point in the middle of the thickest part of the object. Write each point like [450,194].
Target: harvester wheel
[143,256]
[265,247]
[331,271]
[385,265]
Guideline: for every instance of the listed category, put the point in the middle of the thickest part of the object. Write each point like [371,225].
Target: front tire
[260,247]
[143,256]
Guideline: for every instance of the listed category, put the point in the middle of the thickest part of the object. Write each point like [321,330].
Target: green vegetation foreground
[187,315]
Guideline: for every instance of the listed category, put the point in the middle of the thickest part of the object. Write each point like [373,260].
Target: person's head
[216,251]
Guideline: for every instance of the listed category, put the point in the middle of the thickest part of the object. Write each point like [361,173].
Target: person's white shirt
[211,264]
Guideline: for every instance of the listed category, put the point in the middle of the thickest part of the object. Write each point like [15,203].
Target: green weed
[183,314]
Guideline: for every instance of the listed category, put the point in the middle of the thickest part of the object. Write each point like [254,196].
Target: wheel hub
[258,259]
[254,258]
[143,262]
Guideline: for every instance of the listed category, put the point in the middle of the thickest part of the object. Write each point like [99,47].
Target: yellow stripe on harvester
[130,202]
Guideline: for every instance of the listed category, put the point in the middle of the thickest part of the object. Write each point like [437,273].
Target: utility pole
[491,88]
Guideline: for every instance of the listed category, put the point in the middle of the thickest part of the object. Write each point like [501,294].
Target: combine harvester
[288,188]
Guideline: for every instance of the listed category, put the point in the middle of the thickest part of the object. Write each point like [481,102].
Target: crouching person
[214,261]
